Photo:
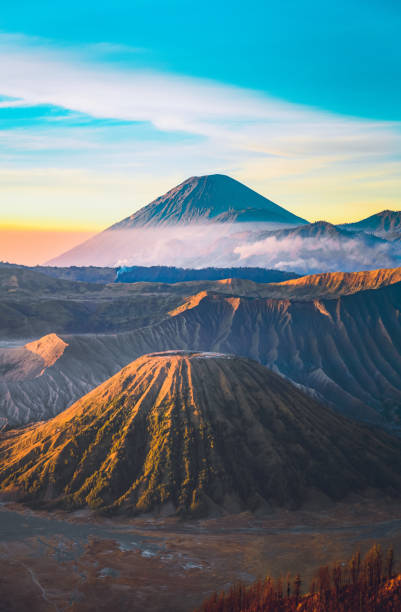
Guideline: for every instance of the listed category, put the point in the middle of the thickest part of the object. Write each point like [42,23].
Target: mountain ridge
[381,223]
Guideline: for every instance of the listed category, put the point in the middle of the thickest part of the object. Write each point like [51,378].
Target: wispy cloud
[266,141]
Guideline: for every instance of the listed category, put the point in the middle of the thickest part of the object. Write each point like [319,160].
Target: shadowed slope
[348,349]
[196,432]
[213,197]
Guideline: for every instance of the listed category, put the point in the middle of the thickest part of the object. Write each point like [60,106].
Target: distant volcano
[216,221]
[195,433]
[171,229]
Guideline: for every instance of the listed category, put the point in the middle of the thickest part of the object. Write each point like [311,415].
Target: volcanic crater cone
[195,433]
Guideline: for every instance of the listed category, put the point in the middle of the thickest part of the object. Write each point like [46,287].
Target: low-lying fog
[236,244]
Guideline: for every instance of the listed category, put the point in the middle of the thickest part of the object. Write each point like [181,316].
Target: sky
[106,105]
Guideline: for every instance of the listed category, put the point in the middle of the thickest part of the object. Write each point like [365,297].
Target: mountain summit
[213,197]
[195,433]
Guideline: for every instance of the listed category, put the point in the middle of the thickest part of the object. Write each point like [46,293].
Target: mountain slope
[214,197]
[347,350]
[382,223]
[195,433]
[33,304]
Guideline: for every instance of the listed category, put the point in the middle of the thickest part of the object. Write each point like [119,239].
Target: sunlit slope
[327,284]
[339,283]
[196,433]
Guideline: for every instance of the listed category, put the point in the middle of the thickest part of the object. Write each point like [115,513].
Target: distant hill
[196,434]
[382,223]
[324,230]
[160,274]
[320,247]
[85,274]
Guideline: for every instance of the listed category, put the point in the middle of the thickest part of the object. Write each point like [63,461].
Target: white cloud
[36,74]
[226,245]
[240,132]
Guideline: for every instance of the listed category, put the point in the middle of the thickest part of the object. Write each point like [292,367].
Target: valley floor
[80,562]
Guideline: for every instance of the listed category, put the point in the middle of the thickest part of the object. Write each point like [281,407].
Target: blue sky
[342,56]
[105,105]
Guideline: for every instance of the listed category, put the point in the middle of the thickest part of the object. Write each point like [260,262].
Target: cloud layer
[238,244]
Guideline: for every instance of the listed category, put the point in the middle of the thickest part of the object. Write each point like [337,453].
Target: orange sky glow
[31,247]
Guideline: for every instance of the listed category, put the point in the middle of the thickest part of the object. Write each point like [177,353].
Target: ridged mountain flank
[195,433]
[213,197]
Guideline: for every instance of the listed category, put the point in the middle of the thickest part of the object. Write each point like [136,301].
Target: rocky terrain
[335,335]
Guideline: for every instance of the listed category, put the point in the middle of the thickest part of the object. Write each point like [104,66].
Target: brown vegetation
[361,585]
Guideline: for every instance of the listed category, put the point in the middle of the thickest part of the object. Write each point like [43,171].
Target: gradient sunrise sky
[106,105]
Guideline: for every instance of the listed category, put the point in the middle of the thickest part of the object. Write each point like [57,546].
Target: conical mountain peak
[213,197]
